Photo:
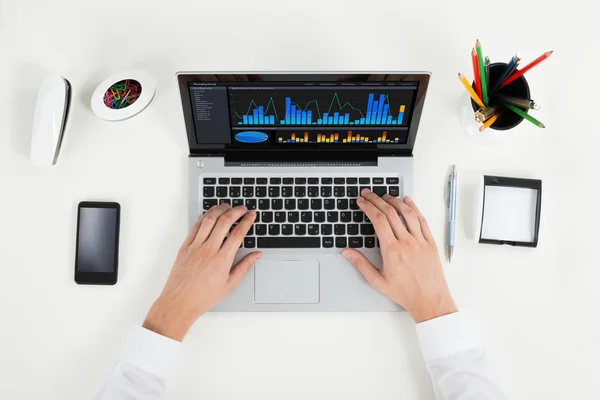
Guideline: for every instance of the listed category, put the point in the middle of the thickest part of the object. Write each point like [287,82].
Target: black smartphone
[97,248]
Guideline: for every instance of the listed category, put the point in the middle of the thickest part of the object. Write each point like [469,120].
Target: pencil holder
[506,120]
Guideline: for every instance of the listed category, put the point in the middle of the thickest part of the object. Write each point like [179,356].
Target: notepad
[509,214]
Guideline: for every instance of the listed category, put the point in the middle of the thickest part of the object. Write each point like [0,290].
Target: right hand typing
[412,273]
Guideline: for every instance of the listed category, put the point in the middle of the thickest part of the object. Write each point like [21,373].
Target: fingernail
[360,200]
[407,200]
[347,253]
[366,191]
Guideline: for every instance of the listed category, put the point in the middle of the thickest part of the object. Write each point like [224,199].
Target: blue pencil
[509,69]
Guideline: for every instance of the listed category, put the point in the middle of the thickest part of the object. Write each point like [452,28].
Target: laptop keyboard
[301,212]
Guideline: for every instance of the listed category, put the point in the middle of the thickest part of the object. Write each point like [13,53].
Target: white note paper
[509,214]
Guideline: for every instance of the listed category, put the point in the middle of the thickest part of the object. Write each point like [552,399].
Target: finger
[237,235]
[209,221]
[390,213]
[241,269]
[364,266]
[194,231]
[224,224]
[422,221]
[409,215]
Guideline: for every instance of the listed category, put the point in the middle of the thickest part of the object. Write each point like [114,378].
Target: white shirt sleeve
[142,369]
[457,362]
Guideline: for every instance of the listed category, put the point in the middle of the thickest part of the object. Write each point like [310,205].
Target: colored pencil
[489,122]
[486,63]
[472,93]
[484,94]
[509,69]
[523,114]
[476,72]
[518,74]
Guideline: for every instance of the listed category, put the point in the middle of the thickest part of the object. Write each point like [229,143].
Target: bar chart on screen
[330,108]
[375,137]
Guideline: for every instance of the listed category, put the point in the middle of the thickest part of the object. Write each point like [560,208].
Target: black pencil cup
[518,88]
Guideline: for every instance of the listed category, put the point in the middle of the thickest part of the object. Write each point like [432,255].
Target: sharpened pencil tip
[477,43]
[542,125]
[549,53]
[473,52]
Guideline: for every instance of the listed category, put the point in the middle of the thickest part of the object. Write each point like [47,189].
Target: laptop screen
[308,110]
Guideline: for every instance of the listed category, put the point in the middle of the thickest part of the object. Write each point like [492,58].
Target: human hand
[202,275]
[412,273]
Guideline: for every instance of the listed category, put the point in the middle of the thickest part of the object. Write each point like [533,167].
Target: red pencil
[476,72]
[519,73]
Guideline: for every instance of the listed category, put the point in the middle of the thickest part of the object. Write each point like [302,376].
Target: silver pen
[452,189]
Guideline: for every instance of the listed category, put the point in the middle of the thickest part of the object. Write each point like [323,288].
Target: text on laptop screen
[283,113]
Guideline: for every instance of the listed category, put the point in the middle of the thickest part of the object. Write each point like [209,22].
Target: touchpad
[286,282]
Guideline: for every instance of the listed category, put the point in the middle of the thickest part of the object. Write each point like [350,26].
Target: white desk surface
[538,308]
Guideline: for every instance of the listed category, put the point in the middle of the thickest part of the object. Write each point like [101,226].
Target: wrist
[165,322]
[433,307]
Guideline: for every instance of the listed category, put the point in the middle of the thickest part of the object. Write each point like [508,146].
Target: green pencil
[523,114]
[484,92]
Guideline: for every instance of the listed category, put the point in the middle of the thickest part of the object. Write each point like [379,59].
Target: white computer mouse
[51,111]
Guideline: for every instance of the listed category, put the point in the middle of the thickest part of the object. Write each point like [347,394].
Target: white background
[538,308]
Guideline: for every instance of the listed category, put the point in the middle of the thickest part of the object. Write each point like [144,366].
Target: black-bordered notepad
[510,211]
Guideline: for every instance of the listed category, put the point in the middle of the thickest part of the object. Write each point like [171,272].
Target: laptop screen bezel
[185,78]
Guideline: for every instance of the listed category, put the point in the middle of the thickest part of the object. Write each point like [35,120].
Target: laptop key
[329,204]
[341,204]
[293,216]
[319,216]
[352,191]
[352,229]
[339,191]
[332,216]
[209,181]
[299,229]
[222,201]
[377,181]
[248,181]
[250,231]
[394,191]
[290,204]
[364,180]
[280,242]
[313,181]
[208,191]
[300,181]
[392,180]
[273,191]
[300,191]
[277,204]
[287,191]
[261,181]
[351,181]
[257,219]
[354,205]
[248,191]
[280,216]
[223,181]
[235,191]
[358,216]
[326,229]
[340,242]
[326,181]
[345,216]
[250,242]
[287,229]
[369,242]
[316,204]
[306,216]
[363,187]
[339,181]
[313,191]
[339,229]
[208,203]
[355,242]
[261,191]
[303,204]
[379,190]
[275,181]
[236,181]
[263,204]
[288,181]
[367,229]
[237,202]
[325,191]
[250,204]
[274,229]
[267,216]
[313,229]
[221,191]
[328,242]
[261,229]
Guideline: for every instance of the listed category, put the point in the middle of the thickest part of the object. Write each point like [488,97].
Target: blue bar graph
[378,111]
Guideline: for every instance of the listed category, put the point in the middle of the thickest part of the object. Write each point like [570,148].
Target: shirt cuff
[150,351]
[447,335]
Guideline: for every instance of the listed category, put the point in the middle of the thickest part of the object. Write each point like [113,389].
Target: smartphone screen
[97,249]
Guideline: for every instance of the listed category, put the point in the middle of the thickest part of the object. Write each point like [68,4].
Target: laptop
[298,148]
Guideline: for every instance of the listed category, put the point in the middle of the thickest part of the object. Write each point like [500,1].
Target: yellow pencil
[489,122]
[474,96]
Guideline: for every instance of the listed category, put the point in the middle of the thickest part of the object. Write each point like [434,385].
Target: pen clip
[448,191]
